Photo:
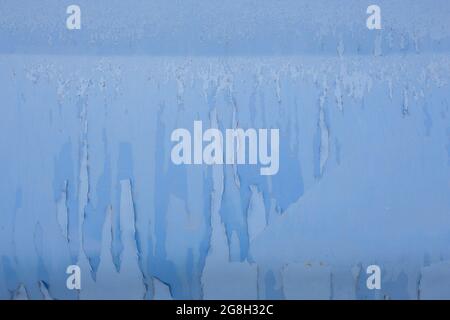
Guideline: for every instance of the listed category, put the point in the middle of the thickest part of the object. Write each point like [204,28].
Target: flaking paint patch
[355,213]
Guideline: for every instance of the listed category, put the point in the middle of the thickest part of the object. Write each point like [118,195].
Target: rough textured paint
[85,146]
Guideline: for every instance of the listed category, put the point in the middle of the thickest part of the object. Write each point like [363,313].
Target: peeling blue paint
[87,176]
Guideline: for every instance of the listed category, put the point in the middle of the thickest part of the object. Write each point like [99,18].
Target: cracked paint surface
[85,147]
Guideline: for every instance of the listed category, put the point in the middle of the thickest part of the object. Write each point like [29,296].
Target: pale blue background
[86,117]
